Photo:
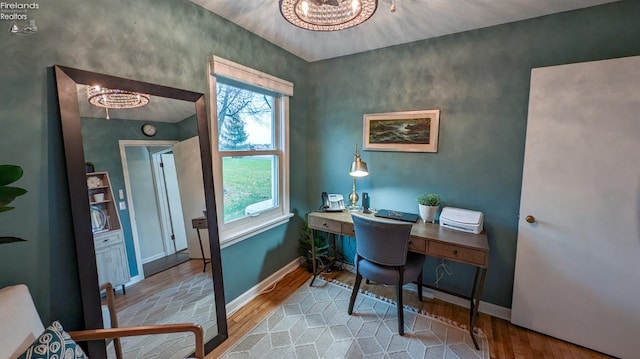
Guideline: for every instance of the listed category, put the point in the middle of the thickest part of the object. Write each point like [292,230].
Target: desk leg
[317,270]
[204,260]
[313,257]
[476,294]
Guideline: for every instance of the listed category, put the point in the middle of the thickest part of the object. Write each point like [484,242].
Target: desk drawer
[323,224]
[348,229]
[418,245]
[460,254]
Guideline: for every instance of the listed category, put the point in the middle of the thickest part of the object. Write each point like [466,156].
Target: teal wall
[162,41]
[480,82]
[478,79]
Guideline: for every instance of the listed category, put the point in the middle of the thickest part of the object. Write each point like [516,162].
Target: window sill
[228,239]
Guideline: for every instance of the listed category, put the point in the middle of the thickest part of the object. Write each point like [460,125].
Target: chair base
[399,297]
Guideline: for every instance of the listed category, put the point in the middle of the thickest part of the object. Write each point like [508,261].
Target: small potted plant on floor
[321,245]
[428,204]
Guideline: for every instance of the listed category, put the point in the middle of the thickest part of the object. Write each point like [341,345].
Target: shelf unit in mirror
[101,200]
[111,253]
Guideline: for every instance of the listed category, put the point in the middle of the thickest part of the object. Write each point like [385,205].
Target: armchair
[20,325]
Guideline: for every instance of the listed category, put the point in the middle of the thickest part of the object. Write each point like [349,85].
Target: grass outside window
[246,180]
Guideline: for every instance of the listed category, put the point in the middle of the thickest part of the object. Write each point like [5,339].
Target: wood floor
[157,283]
[505,340]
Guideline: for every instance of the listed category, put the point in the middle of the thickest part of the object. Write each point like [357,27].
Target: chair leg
[420,286]
[356,287]
[400,304]
[118,347]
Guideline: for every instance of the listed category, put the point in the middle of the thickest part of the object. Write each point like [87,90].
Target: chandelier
[115,98]
[327,15]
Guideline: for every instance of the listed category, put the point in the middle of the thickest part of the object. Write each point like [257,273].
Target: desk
[198,224]
[426,238]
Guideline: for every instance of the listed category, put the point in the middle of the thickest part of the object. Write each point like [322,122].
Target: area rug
[189,301]
[313,323]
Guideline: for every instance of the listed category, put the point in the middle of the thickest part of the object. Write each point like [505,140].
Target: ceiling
[413,20]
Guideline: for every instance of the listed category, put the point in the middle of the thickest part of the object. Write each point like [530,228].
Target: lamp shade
[358,167]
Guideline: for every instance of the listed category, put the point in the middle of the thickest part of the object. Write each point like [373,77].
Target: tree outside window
[245,123]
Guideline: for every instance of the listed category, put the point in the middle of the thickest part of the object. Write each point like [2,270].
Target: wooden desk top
[439,240]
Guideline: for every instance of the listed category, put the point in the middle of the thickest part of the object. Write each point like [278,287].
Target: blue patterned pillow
[54,342]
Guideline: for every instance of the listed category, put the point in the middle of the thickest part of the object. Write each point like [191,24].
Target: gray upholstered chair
[382,255]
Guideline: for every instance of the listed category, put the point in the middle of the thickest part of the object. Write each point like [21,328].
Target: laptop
[397,215]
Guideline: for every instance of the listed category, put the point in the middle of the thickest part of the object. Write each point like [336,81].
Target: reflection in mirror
[141,184]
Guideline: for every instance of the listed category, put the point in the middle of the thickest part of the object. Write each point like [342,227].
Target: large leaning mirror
[141,188]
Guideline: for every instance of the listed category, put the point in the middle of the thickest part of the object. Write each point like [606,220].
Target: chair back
[20,324]
[381,241]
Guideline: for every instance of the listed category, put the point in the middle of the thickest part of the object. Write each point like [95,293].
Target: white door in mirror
[149,130]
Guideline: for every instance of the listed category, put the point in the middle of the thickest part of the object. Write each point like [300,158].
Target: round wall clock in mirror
[149,130]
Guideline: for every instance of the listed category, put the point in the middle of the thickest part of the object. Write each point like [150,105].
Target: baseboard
[133,280]
[486,308]
[153,258]
[253,292]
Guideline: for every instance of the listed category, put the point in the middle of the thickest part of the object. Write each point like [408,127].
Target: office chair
[382,255]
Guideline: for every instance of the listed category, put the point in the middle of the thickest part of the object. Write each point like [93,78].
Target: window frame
[246,227]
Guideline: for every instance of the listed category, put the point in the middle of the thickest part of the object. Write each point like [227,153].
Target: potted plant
[304,246]
[428,204]
[8,175]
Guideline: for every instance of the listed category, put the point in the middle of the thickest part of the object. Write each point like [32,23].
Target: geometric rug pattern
[313,323]
[190,301]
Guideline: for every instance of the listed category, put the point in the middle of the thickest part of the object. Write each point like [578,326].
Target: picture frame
[406,131]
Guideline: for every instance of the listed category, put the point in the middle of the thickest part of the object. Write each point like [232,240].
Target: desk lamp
[358,169]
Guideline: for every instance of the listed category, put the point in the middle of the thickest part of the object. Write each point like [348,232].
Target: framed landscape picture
[408,131]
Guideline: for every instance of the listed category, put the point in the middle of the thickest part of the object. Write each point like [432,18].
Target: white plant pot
[428,213]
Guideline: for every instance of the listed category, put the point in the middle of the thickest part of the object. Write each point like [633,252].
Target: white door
[577,273]
[189,169]
[143,206]
[173,199]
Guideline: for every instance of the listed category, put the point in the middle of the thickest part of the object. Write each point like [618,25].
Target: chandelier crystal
[115,98]
[327,15]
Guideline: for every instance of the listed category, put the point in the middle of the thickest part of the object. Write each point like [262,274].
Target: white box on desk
[462,219]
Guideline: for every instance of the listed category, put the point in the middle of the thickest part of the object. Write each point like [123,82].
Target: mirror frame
[66,80]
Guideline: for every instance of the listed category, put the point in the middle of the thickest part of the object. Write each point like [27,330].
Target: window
[250,126]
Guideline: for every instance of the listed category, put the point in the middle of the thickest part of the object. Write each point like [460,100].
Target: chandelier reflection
[115,98]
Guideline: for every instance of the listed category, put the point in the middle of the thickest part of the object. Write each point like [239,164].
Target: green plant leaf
[429,199]
[4,240]
[8,194]
[9,174]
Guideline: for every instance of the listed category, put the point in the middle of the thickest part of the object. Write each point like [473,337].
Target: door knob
[530,219]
